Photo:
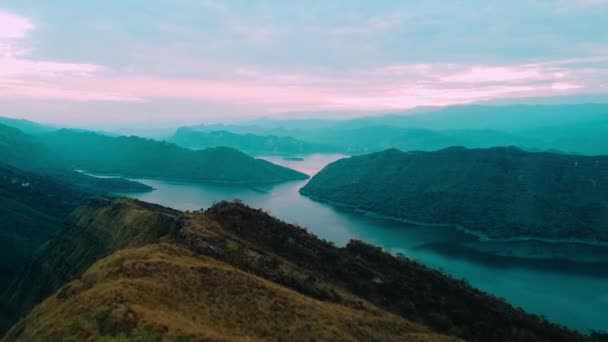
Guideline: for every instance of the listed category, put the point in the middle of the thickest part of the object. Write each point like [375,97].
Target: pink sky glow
[268,90]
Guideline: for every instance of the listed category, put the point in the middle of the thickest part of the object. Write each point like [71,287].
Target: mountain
[509,118]
[563,127]
[248,143]
[36,193]
[26,126]
[138,157]
[497,192]
[125,269]
[20,149]
[134,157]
[372,138]
[589,138]
[33,207]
[378,138]
[26,152]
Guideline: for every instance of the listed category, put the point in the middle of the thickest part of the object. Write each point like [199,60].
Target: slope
[498,192]
[233,272]
[138,157]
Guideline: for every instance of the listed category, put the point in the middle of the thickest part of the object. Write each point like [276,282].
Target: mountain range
[135,157]
[580,129]
[249,143]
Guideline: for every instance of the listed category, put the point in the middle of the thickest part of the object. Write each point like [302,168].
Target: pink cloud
[16,66]
[13,26]
[394,87]
[483,74]
[398,86]
[24,77]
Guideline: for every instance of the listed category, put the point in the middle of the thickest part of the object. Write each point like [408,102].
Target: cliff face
[127,269]
[499,192]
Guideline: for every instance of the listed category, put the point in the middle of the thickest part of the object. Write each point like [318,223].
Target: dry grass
[163,292]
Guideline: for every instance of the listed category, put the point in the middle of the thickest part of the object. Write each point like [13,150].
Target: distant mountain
[122,269]
[507,118]
[26,126]
[138,157]
[20,149]
[28,153]
[348,140]
[498,192]
[248,143]
[134,157]
[378,138]
[566,127]
[553,100]
[485,138]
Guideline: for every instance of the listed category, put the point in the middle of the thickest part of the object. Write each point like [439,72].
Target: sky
[159,62]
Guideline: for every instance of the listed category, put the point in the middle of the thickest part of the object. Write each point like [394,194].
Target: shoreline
[481,236]
[191,181]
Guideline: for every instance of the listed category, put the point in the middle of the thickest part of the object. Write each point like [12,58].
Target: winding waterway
[566,282]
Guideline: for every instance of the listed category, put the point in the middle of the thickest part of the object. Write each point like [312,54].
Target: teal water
[567,283]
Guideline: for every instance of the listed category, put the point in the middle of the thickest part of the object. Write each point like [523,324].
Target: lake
[565,282]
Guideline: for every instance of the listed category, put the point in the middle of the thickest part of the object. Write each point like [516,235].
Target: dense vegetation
[248,143]
[134,157]
[234,272]
[33,207]
[28,153]
[138,157]
[499,192]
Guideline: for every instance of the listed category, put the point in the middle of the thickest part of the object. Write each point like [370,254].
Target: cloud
[13,26]
[493,74]
[24,77]
[242,67]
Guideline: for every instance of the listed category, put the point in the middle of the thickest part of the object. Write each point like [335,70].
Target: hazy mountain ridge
[215,271]
[498,192]
[20,149]
[28,153]
[26,126]
[568,128]
[248,143]
[138,157]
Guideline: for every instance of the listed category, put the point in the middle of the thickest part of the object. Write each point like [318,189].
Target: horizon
[173,63]
[167,128]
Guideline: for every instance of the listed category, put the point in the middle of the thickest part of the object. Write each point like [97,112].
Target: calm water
[573,293]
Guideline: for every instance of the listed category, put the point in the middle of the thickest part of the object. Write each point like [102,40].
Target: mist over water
[567,283]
